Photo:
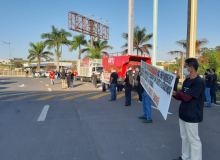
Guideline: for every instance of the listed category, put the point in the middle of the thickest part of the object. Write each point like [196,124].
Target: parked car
[46,73]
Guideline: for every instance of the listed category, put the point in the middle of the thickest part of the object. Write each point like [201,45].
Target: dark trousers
[140,96]
[128,96]
[119,87]
[68,82]
[103,87]
[213,94]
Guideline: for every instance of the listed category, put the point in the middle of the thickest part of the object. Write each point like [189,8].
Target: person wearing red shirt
[52,77]
[75,74]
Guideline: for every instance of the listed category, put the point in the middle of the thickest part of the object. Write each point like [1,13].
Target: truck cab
[119,61]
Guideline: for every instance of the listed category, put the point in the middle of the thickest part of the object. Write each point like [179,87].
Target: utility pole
[130,26]
[13,56]
[9,54]
[155,10]
[191,29]
[61,54]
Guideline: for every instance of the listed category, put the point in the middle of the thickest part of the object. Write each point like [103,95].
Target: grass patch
[218,96]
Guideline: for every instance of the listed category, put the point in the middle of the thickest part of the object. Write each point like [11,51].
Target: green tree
[77,42]
[99,48]
[140,39]
[55,39]
[37,51]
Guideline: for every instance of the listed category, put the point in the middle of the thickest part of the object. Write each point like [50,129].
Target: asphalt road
[40,121]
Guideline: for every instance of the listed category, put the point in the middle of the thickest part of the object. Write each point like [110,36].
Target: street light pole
[13,56]
[130,26]
[61,52]
[155,32]
[9,54]
[191,29]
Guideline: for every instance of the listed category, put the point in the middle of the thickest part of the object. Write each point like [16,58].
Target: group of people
[68,76]
[192,96]
[132,83]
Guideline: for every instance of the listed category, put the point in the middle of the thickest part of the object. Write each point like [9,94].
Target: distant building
[167,62]
[46,66]
[4,61]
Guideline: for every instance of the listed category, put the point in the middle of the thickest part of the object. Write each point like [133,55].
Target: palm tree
[93,53]
[139,41]
[77,42]
[55,39]
[183,43]
[37,51]
[99,48]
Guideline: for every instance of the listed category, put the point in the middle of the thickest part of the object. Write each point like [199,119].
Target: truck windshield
[136,66]
[99,69]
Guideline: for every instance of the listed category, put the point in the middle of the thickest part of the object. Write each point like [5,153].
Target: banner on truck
[106,78]
[85,62]
[159,85]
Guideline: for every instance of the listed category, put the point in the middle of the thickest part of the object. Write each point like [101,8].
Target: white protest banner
[106,78]
[159,85]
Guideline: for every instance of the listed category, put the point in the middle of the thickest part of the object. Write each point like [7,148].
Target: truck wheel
[81,79]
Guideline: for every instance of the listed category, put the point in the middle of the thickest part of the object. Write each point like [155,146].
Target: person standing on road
[102,83]
[135,78]
[56,74]
[192,96]
[213,88]
[52,77]
[176,81]
[139,87]
[95,80]
[120,81]
[68,79]
[113,84]
[63,79]
[128,86]
[146,103]
[75,74]
[26,73]
[34,74]
[208,80]
[72,77]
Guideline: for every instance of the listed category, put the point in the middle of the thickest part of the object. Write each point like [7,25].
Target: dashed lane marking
[135,97]
[43,113]
[52,96]
[79,95]
[100,95]
[49,89]
[8,95]
[41,82]
[23,97]
[47,85]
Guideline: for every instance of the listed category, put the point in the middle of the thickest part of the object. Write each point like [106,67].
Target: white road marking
[41,82]
[158,109]
[49,89]
[22,85]
[47,85]
[43,113]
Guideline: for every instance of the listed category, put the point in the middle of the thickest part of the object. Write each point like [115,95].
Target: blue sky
[23,21]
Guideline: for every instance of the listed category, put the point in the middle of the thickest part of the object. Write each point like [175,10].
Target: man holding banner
[192,96]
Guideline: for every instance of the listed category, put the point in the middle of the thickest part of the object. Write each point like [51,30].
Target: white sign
[106,78]
[159,85]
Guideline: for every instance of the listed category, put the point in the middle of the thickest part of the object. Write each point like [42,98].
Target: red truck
[119,60]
